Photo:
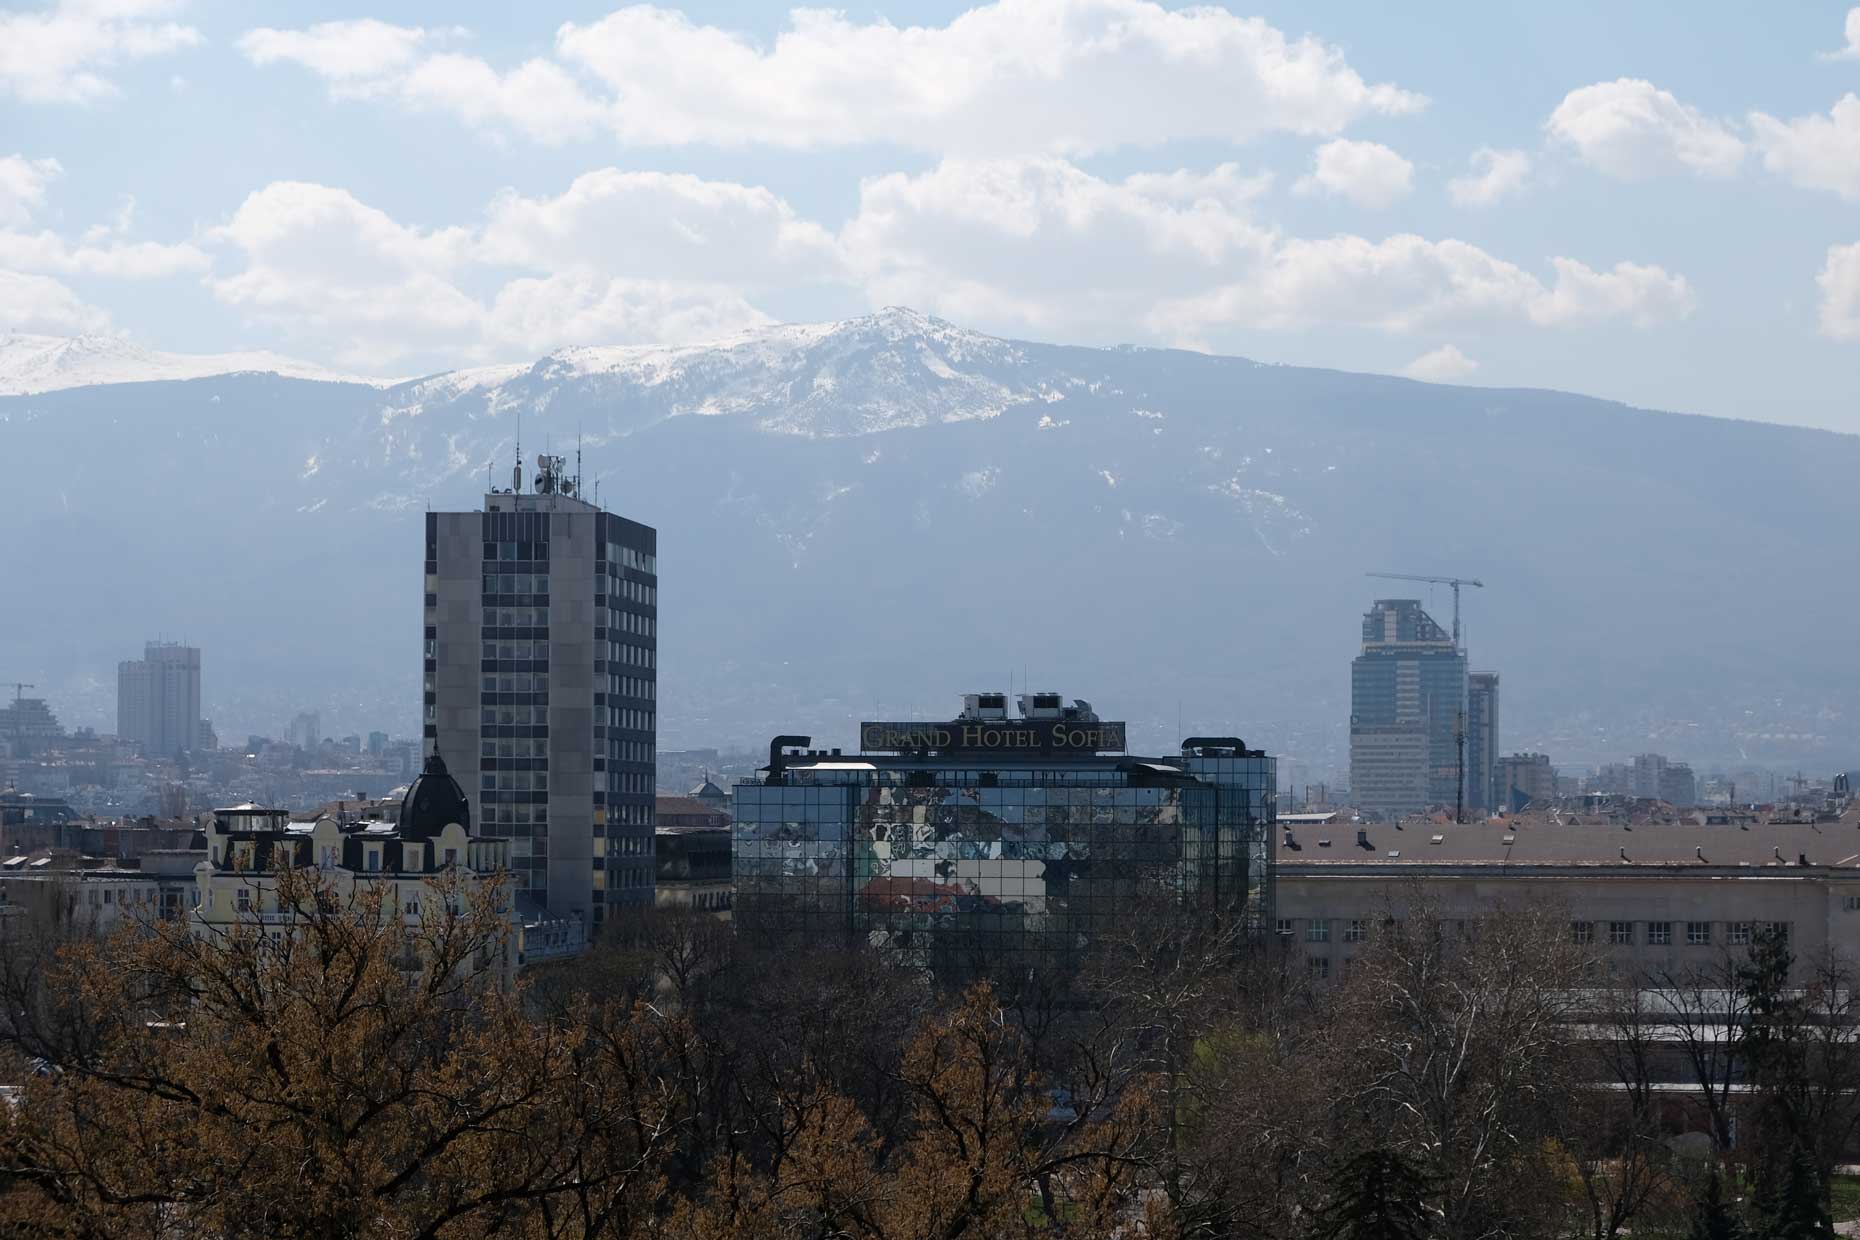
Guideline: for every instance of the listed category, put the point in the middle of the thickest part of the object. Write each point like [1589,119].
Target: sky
[1653,203]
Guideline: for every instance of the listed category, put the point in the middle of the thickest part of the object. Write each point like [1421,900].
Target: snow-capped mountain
[33,364]
[893,369]
[881,513]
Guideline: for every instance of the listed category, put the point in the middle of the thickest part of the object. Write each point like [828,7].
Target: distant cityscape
[1412,696]
[1010,827]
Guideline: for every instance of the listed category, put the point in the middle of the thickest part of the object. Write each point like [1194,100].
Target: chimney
[1700,851]
[1362,838]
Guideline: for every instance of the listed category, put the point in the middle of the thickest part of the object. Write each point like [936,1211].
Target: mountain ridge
[879,508]
[33,364]
[36,364]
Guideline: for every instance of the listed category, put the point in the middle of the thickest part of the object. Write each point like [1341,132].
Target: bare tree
[1704,1009]
[1461,1041]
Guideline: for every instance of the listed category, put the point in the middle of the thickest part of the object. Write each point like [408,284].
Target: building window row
[521,682]
[1614,933]
[631,686]
[635,624]
[516,583]
[532,650]
[513,747]
[517,618]
[515,781]
[1660,933]
[633,591]
[514,716]
[627,557]
[494,551]
[513,815]
[631,656]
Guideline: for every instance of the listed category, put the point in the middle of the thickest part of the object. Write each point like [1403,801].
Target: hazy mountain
[876,515]
[32,364]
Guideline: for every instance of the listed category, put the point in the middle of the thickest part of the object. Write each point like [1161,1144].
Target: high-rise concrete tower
[1407,703]
[158,698]
[541,682]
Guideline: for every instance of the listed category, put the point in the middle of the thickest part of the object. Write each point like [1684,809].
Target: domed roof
[433,800]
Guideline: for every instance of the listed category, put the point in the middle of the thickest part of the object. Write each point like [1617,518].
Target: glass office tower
[1407,704]
[981,843]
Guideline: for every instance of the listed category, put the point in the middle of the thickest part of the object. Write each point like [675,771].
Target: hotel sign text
[996,736]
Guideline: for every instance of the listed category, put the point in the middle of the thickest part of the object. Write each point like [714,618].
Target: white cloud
[1040,244]
[1631,129]
[58,54]
[320,262]
[368,59]
[617,258]
[1814,152]
[1408,283]
[31,303]
[126,260]
[22,187]
[1639,293]
[1366,173]
[1852,31]
[537,98]
[1840,293]
[102,251]
[354,57]
[534,316]
[1442,365]
[1493,177]
[662,226]
[1010,76]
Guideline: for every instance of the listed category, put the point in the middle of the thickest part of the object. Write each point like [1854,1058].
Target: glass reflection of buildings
[962,856]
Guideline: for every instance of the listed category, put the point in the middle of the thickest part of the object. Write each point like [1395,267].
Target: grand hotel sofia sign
[1009,736]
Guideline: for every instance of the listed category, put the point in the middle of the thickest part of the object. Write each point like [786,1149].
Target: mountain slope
[34,364]
[876,515]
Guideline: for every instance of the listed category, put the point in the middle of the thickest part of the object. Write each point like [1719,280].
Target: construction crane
[1455,582]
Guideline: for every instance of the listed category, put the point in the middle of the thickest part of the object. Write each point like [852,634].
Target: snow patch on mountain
[890,370]
[32,364]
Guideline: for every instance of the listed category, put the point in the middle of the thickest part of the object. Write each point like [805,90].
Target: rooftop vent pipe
[777,760]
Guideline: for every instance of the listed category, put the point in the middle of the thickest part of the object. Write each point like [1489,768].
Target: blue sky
[1659,204]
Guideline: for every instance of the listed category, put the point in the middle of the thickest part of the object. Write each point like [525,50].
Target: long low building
[1651,900]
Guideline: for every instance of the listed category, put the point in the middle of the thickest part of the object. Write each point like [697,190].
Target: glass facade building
[541,676]
[971,857]
[1407,706]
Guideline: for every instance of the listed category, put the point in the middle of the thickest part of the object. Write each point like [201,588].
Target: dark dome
[433,800]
